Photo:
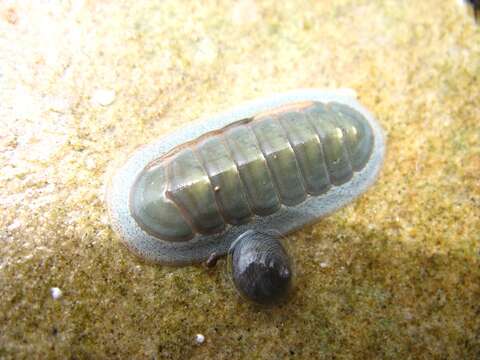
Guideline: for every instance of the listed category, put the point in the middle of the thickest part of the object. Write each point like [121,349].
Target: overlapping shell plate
[276,163]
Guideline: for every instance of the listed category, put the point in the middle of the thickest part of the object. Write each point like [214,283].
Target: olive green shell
[276,163]
[252,167]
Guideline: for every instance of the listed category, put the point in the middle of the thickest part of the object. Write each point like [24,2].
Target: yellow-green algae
[395,275]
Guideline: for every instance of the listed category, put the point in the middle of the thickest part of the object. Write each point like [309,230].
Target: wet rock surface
[394,275]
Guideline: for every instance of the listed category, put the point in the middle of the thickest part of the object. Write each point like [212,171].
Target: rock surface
[394,275]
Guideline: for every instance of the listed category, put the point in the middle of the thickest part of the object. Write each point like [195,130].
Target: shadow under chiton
[277,163]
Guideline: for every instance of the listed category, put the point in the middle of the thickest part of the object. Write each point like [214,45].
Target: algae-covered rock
[394,275]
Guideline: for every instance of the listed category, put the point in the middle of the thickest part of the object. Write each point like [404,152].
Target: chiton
[280,163]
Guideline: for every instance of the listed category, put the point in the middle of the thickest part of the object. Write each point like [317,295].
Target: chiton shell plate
[292,209]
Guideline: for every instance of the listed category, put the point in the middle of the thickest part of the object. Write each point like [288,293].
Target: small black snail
[260,267]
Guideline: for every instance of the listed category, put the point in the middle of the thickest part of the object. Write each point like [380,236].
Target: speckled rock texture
[395,275]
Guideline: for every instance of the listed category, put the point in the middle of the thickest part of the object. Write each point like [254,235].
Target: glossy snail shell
[277,163]
[260,267]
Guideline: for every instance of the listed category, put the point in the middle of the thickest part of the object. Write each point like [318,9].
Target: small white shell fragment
[56,293]
[14,225]
[103,97]
[199,338]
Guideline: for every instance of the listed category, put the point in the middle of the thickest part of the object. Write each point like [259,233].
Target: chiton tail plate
[280,163]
